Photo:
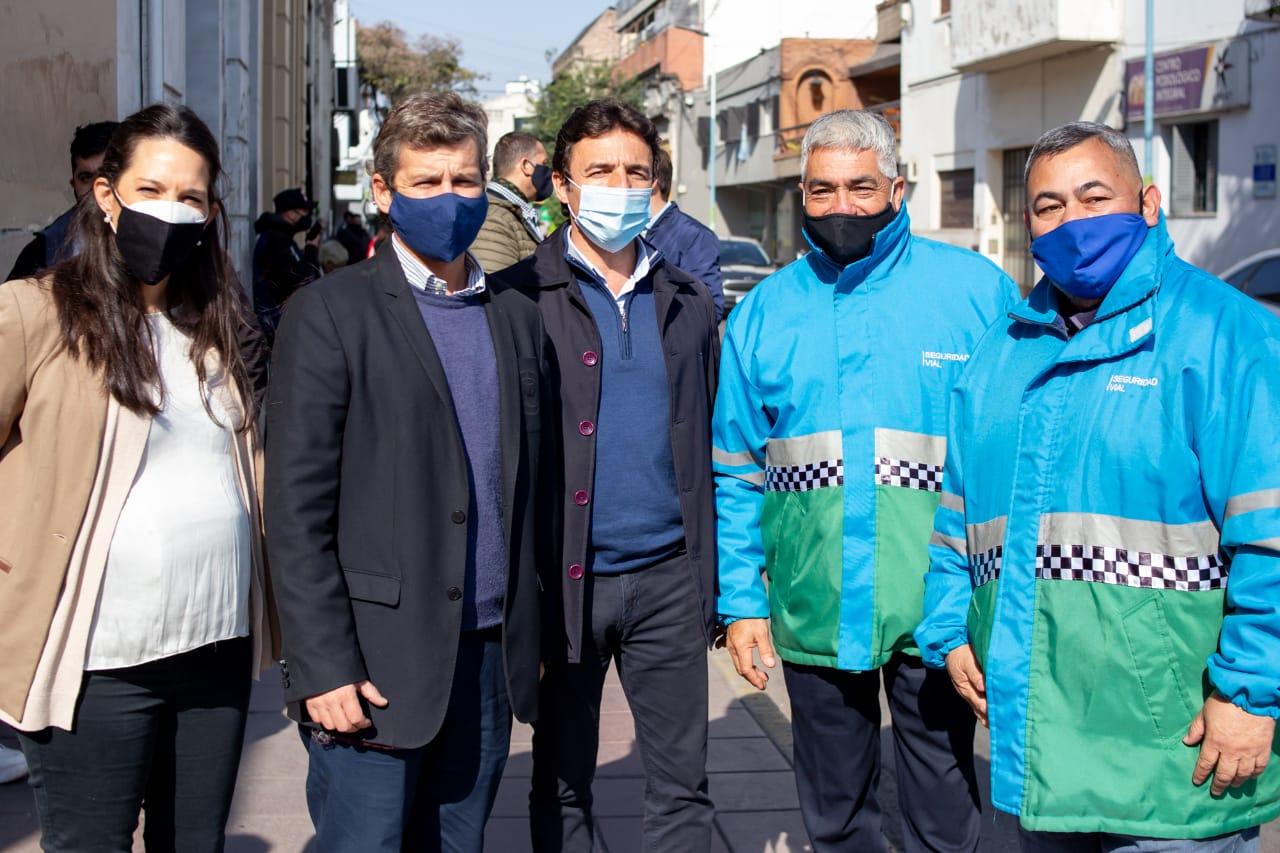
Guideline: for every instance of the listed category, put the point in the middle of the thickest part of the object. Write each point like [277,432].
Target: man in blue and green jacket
[829,439]
[1105,569]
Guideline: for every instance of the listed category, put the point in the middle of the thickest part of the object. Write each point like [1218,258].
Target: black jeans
[649,624]
[164,736]
[835,725]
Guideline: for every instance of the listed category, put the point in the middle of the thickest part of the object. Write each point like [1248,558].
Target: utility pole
[713,142]
[1148,97]
[713,132]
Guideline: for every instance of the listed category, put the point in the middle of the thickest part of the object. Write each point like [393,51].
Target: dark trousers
[649,624]
[1245,841]
[164,736]
[364,799]
[835,724]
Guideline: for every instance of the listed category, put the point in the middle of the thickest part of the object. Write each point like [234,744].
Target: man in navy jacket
[685,242]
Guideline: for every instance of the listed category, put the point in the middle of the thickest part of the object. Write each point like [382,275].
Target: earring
[106,218]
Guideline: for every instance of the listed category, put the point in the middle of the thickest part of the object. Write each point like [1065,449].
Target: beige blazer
[68,455]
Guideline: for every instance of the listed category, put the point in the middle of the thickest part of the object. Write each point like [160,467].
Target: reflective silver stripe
[804,449]
[755,478]
[911,446]
[1155,537]
[733,460]
[986,536]
[1251,501]
[952,502]
[954,543]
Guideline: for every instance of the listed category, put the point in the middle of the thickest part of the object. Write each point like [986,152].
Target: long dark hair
[100,309]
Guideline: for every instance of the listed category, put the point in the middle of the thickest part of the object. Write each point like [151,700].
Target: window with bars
[1193,184]
[957,198]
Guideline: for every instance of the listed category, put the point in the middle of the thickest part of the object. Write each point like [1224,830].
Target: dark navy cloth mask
[440,227]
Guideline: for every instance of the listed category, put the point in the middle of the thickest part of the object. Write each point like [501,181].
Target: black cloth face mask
[152,246]
[844,237]
[542,185]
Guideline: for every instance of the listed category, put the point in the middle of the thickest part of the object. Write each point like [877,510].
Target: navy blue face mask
[440,227]
[1085,257]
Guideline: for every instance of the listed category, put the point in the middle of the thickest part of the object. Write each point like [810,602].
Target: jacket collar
[887,248]
[1125,319]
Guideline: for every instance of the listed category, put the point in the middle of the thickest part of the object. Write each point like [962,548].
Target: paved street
[750,763]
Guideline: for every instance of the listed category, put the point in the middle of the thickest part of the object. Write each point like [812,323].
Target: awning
[885,56]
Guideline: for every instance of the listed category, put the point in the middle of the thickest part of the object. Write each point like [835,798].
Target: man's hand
[968,680]
[1234,744]
[741,637]
[339,710]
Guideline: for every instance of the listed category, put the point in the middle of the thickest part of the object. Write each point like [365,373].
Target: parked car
[1259,277]
[743,263]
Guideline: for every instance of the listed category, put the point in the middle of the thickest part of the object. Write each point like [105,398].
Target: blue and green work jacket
[1109,543]
[829,440]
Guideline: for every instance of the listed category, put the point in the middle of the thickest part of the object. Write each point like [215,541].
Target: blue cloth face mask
[1085,257]
[611,217]
[439,227]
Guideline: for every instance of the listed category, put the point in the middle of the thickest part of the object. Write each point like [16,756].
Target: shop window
[957,198]
[1193,184]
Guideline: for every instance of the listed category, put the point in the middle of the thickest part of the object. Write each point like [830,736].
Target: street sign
[1264,171]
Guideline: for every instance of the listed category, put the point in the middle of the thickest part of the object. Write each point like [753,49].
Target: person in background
[279,263]
[1104,581]
[829,442]
[354,237]
[50,245]
[636,348]
[331,256]
[684,241]
[134,604]
[405,421]
[511,230]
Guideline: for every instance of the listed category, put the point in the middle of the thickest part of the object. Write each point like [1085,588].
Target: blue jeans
[1245,841]
[433,798]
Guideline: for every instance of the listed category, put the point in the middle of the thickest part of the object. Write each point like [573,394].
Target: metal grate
[1017,260]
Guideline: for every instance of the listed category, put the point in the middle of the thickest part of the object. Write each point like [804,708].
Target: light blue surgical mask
[611,217]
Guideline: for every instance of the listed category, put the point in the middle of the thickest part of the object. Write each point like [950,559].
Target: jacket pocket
[378,589]
[529,394]
[1146,632]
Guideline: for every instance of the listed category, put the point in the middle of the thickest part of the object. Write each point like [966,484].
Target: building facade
[259,72]
[513,110]
[983,79]
[597,42]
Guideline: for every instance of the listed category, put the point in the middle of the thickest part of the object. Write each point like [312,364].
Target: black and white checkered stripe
[908,475]
[985,567]
[1104,564]
[804,478]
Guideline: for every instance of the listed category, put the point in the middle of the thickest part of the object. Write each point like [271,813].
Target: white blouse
[177,574]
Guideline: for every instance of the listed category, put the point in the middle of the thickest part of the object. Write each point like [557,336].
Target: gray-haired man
[829,438]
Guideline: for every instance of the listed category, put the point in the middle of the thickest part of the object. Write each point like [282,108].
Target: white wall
[740,29]
[1242,225]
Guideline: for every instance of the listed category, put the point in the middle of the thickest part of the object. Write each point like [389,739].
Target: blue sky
[500,38]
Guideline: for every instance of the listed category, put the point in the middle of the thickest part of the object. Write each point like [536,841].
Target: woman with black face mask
[133,598]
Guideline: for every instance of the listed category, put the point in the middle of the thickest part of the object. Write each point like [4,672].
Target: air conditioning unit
[346,88]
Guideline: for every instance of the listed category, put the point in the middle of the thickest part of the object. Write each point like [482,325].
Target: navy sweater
[460,331]
[635,513]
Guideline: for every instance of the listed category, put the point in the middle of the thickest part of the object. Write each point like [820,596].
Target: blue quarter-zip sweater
[635,510]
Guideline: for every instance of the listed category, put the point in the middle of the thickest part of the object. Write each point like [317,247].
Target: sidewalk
[749,760]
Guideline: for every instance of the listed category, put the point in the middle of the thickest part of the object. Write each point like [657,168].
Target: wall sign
[1264,171]
[1191,80]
